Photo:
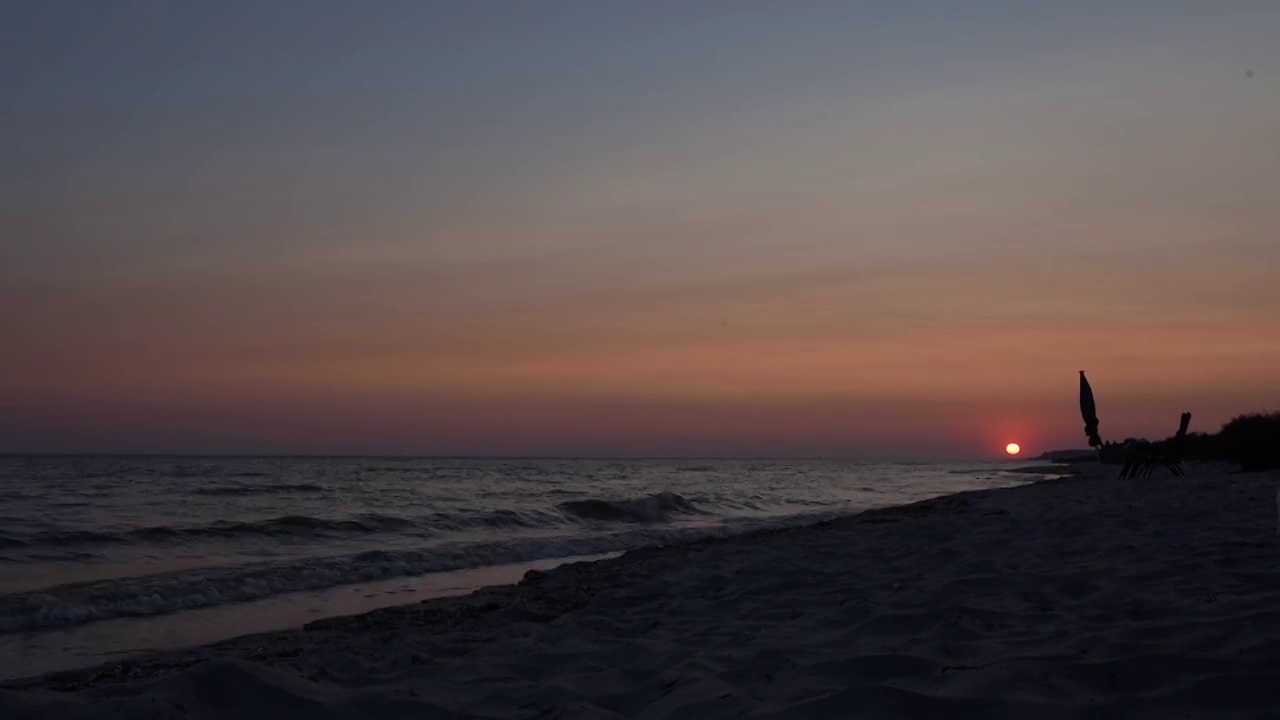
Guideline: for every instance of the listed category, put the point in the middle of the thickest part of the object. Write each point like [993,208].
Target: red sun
[1013,448]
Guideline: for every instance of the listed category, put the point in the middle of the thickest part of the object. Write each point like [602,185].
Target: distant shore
[1065,597]
[1066,469]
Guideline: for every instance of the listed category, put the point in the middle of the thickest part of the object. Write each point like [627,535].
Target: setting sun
[1013,448]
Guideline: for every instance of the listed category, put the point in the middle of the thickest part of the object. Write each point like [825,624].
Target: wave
[17,495]
[71,605]
[663,507]
[654,508]
[496,519]
[407,468]
[287,525]
[67,556]
[59,538]
[258,489]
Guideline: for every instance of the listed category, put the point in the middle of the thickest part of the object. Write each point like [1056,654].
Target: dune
[1069,598]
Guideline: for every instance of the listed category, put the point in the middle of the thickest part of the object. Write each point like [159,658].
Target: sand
[1079,597]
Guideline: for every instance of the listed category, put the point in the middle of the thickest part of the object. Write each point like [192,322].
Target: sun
[1013,448]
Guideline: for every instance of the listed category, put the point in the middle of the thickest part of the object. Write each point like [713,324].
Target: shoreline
[1064,469]
[77,626]
[507,576]
[1026,598]
[532,597]
[124,638]
[445,607]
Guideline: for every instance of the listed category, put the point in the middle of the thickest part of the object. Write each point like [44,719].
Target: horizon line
[428,456]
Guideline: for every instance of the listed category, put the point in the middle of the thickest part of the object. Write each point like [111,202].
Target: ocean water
[105,557]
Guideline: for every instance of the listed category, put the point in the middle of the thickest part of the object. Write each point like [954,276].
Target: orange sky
[842,256]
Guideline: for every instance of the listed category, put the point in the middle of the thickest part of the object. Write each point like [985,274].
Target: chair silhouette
[1143,460]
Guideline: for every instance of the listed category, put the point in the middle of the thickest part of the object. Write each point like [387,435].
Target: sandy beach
[1080,597]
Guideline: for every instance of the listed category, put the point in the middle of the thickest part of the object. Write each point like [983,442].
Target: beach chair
[1143,459]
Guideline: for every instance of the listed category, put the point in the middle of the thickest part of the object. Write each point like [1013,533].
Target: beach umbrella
[1089,411]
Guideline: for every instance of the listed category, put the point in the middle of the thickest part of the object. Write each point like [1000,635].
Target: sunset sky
[875,229]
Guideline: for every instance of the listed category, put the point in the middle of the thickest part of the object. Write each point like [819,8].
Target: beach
[102,558]
[1067,598]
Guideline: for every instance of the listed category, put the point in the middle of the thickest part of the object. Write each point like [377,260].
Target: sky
[870,229]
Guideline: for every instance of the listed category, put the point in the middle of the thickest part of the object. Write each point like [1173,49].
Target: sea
[105,557]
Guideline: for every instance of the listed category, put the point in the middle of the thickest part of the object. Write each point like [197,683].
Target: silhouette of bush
[1252,440]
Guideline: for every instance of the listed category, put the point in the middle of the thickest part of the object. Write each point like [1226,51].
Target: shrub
[1252,440]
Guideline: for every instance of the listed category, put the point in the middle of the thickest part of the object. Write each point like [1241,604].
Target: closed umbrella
[1089,411]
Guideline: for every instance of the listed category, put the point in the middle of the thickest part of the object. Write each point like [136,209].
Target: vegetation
[1252,440]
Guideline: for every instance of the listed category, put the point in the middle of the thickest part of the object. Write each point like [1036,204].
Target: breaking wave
[273,527]
[70,605]
[657,508]
[654,508]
